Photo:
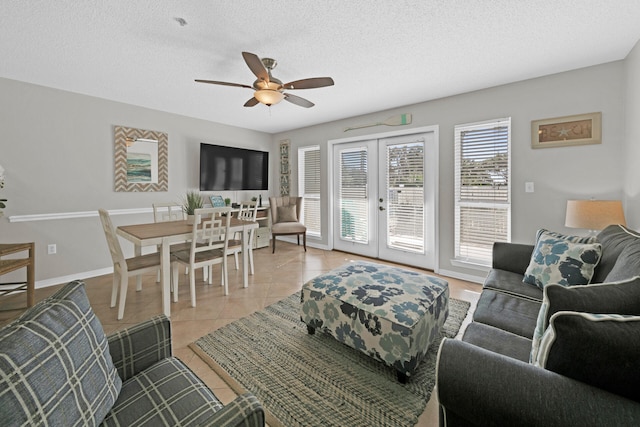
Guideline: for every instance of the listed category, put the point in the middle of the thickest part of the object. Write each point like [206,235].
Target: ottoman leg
[311,330]
[402,377]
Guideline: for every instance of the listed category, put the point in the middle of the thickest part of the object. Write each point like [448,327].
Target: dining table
[164,234]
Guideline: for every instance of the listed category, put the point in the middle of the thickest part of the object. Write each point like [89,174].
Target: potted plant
[192,201]
[227,201]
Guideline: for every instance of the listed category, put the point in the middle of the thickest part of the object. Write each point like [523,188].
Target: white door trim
[381,135]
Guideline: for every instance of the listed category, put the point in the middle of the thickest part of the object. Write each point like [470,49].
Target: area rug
[314,380]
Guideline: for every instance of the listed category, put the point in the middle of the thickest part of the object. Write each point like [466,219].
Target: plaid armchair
[57,367]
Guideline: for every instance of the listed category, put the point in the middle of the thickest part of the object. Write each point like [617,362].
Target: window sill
[470,265]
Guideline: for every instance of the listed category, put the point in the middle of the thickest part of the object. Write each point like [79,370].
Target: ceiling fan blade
[298,101]
[252,102]
[223,83]
[256,66]
[311,83]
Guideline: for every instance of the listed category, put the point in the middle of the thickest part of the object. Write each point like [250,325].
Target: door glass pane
[354,213]
[405,196]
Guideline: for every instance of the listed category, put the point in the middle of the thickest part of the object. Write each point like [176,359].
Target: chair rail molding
[77,214]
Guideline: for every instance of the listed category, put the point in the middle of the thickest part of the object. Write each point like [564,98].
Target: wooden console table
[9,265]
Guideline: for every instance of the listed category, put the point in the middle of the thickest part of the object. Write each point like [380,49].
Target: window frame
[302,151]
[482,260]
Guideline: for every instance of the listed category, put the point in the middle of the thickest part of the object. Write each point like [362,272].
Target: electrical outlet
[52,249]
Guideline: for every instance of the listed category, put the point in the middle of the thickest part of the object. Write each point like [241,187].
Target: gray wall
[632,149]
[558,173]
[57,148]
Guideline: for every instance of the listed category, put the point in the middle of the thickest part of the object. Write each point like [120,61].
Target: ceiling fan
[269,90]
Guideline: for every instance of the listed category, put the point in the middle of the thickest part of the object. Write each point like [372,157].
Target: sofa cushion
[510,313]
[511,283]
[627,265]
[613,239]
[561,260]
[597,349]
[55,364]
[618,297]
[513,257]
[498,341]
[288,227]
[166,393]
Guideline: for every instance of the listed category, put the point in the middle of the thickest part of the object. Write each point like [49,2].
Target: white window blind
[405,186]
[482,189]
[354,212]
[309,188]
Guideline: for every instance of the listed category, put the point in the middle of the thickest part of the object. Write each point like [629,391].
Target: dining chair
[171,211]
[123,268]
[168,212]
[248,212]
[209,246]
[285,219]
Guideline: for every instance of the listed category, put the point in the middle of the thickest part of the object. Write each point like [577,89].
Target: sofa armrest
[136,348]
[513,257]
[478,387]
[244,411]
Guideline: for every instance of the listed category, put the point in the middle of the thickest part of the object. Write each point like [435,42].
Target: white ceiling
[381,54]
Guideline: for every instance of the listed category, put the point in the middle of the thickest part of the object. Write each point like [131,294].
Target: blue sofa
[59,368]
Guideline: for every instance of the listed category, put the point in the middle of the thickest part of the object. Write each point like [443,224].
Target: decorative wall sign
[399,120]
[141,160]
[580,129]
[284,167]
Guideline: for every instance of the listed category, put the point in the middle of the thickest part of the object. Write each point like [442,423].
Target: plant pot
[191,219]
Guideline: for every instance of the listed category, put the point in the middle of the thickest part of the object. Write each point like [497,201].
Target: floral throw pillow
[562,261]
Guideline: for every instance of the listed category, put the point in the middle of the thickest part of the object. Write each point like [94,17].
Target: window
[482,189]
[309,188]
[354,200]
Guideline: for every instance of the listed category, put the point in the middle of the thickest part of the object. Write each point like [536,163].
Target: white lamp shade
[594,214]
[268,96]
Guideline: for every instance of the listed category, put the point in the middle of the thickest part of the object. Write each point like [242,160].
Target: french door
[384,194]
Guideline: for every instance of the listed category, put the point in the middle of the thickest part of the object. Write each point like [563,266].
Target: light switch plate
[528,187]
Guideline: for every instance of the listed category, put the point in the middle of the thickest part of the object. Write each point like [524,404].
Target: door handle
[381,208]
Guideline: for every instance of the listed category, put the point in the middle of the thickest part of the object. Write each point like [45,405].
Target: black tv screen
[231,168]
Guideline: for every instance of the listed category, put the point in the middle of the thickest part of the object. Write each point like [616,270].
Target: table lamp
[594,215]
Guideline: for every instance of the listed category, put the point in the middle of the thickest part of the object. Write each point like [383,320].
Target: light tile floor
[277,276]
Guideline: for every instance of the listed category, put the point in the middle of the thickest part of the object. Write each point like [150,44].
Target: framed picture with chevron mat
[141,160]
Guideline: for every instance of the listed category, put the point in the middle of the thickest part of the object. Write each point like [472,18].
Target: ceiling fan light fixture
[268,90]
[268,96]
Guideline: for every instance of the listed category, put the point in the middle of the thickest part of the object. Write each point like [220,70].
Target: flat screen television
[231,168]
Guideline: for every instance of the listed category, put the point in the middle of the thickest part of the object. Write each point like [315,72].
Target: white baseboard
[78,276]
[310,243]
[462,276]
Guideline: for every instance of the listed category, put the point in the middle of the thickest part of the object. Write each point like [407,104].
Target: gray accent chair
[285,219]
[57,367]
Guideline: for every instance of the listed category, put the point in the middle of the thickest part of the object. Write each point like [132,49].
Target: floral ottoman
[388,313]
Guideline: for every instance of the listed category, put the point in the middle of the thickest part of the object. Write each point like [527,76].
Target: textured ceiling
[381,54]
